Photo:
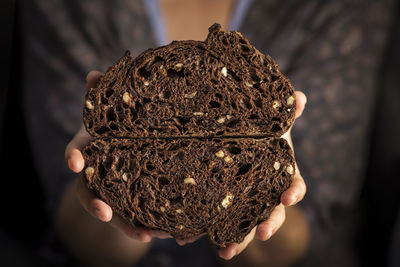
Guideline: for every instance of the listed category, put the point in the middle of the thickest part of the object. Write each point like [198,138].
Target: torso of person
[190,19]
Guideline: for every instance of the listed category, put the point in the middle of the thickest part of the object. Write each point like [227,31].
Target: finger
[73,155]
[234,249]
[182,242]
[296,191]
[138,233]
[160,234]
[301,101]
[92,78]
[94,206]
[75,160]
[269,227]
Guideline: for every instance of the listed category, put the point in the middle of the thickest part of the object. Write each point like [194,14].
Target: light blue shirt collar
[153,11]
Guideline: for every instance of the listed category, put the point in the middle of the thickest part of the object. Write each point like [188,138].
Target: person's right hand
[93,205]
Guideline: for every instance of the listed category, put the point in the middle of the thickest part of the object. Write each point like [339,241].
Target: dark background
[23,218]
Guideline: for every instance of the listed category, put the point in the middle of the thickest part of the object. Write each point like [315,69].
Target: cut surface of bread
[187,137]
[220,87]
[188,187]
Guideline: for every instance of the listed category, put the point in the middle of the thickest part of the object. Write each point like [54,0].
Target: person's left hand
[291,196]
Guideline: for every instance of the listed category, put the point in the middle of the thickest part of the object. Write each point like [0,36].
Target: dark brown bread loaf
[178,137]
[187,187]
[220,87]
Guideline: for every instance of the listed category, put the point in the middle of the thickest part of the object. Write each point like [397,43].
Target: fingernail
[74,166]
[293,199]
[269,234]
[145,238]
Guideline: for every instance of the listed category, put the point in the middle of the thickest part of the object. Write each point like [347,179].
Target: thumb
[73,155]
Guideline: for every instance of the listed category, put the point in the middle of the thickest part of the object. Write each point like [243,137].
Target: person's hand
[93,205]
[291,196]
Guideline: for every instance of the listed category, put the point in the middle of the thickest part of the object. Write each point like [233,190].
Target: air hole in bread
[166,94]
[200,47]
[247,104]
[146,100]
[235,150]
[132,165]
[274,78]
[127,213]
[252,193]
[108,162]
[281,143]
[257,102]
[110,115]
[245,48]
[113,126]
[141,202]
[215,170]
[104,100]
[242,41]
[101,130]
[109,92]
[156,215]
[120,163]
[276,128]
[108,184]
[276,119]
[244,169]
[254,117]
[234,106]
[176,201]
[144,73]
[102,171]
[90,124]
[175,74]
[163,181]
[255,78]
[253,212]
[88,152]
[219,96]
[150,167]
[244,225]
[157,59]
[233,123]
[180,155]
[214,104]
[111,84]
[181,120]
[234,76]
